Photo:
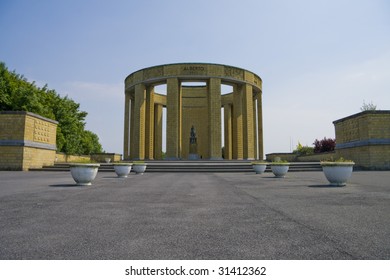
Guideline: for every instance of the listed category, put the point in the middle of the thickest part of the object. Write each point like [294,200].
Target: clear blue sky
[318,59]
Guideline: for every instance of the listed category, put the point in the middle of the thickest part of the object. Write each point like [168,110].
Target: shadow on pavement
[324,186]
[65,186]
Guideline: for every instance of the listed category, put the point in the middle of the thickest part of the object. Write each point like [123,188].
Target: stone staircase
[195,166]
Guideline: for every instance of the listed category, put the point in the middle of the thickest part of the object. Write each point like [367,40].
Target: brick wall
[27,141]
[365,139]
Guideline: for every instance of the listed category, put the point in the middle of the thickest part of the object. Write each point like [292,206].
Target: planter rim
[279,163]
[122,163]
[135,163]
[84,164]
[331,163]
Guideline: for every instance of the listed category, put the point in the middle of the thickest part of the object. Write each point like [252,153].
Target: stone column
[237,123]
[228,131]
[255,127]
[149,120]
[126,136]
[247,110]
[173,119]
[214,104]
[260,125]
[158,109]
[139,121]
[132,122]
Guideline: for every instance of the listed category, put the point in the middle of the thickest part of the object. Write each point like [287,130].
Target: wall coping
[370,112]
[28,114]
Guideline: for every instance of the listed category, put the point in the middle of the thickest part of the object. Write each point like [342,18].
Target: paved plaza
[43,215]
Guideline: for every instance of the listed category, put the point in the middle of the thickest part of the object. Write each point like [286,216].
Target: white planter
[280,170]
[122,169]
[337,173]
[139,168]
[107,160]
[83,173]
[259,168]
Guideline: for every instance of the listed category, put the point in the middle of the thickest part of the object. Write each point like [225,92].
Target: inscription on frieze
[257,81]
[153,72]
[234,73]
[194,70]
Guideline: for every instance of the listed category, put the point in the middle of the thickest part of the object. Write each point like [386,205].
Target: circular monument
[194,107]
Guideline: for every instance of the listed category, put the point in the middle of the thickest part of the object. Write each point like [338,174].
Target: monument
[197,105]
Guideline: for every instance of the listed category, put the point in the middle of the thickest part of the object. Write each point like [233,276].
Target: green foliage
[17,94]
[303,150]
[279,161]
[338,160]
[368,107]
[83,161]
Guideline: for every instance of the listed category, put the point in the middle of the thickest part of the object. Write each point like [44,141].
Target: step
[194,166]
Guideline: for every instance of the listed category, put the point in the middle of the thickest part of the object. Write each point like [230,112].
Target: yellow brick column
[158,109]
[180,142]
[126,136]
[237,123]
[149,124]
[228,131]
[139,121]
[260,125]
[173,119]
[255,127]
[247,112]
[132,141]
[214,104]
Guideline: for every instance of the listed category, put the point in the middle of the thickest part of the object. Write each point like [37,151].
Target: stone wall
[27,141]
[365,139]
[64,158]
[282,156]
[308,158]
[101,157]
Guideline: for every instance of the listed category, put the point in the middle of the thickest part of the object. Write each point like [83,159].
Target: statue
[193,136]
[193,145]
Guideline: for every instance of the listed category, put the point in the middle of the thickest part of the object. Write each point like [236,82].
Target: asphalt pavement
[44,215]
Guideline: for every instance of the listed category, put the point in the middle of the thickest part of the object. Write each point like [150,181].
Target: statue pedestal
[193,155]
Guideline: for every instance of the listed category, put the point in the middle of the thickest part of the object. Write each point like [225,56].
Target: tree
[17,94]
[368,107]
[90,143]
[324,145]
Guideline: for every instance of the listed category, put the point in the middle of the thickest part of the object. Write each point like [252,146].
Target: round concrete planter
[139,168]
[337,173]
[84,173]
[259,167]
[122,169]
[280,169]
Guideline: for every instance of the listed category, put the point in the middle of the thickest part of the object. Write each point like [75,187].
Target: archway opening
[193,84]
[226,89]
[161,89]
